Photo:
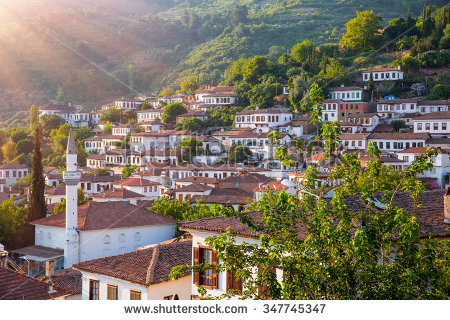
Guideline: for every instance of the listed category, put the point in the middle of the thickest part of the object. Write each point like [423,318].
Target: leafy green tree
[61,206]
[185,211]
[335,74]
[191,124]
[404,43]
[316,98]
[18,133]
[12,219]
[102,172]
[354,245]
[167,92]
[398,124]
[239,154]
[189,85]
[49,123]
[439,92]
[263,93]
[23,147]
[172,110]
[239,14]
[23,182]
[302,51]
[3,138]
[256,68]
[128,170]
[107,128]
[409,64]
[112,115]
[38,206]
[298,90]
[9,151]
[34,116]
[362,31]
[275,52]
[147,105]
[82,133]
[234,73]
[192,148]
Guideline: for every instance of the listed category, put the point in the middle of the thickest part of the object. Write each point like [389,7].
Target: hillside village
[135,187]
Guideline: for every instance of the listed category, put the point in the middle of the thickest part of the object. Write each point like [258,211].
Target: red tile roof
[108,215]
[193,187]
[11,166]
[144,267]
[421,150]
[399,136]
[56,191]
[136,182]
[440,115]
[18,286]
[68,279]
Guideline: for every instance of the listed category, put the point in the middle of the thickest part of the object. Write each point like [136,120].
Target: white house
[94,144]
[394,108]
[55,195]
[347,93]
[394,142]
[330,110]
[128,104]
[56,109]
[143,141]
[92,184]
[149,114]
[429,106]
[366,121]
[96,161]
[436,123]
[354,140]
[262,120]
[12,172]
[150,189]
[121,130]
[441,163]
[382,74]
[139,275]
[194,189]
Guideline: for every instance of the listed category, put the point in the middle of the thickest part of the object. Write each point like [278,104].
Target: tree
[189,85]
[354,245]
[61,206]
[191,124]
[102,172]
[107,128]
[128,170]
[146,105]
[18,133]
[256,68]
[239,154]
[302,51]
[12,219]
[82,133]
[371,85]
[439,92]
[23,147]
[298,89]
[38,207]
[362,31]
[50,123]
[275,52]
[263,93]
[234,73]
[9,151]
[112,115]
[316,98]
[167,92]
[3,138]
[239,14]
[185,211]
[192,148]
[409,64]
[335,74]
[398,124]
[34,117]
[172,110]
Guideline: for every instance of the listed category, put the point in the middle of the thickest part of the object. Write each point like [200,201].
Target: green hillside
[88,52]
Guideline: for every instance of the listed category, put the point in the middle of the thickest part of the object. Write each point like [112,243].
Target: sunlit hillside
[88,52]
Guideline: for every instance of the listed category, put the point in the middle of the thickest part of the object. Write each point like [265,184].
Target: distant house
[436,123]
[262,120]
[128,104]
[394,142]
[12,172]
[382,74]
[347,93]
[149,114]
[429,106]
[150,189]
[193,114]
[394,108]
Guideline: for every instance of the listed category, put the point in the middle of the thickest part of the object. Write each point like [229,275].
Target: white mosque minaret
[71,178]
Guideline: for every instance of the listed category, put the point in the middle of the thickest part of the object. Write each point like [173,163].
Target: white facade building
[395,108]
[394,142]
[347,93]
[12,172]
[383,74]
[149,114]
[262,120]
[436,123]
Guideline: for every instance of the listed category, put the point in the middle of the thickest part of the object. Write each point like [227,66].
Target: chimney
[50,287]
[342,85]
[447,206]
[49,267]
[3,256]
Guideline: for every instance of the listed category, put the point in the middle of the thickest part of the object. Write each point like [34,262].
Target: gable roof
[108,215]
[250,177]
[145,267]
[18,286]
[12,166]
[194,187]
[440,115]
[136,182]
[400,136]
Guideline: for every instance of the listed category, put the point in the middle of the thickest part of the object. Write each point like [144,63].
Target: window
[172,297]
[427,126]
[93,289]
[435,126]
[388,145]
[233,283]
[208,278]
[419,126]
[112,292]
[107,239]
[135,295]
[137,236]
[122,237]
[444,126]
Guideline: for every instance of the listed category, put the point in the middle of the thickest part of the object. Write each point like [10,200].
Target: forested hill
[59,49]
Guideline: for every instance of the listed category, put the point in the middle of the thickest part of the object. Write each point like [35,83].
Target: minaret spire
[71,178]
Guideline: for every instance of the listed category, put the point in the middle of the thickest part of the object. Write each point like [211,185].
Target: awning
[39,253]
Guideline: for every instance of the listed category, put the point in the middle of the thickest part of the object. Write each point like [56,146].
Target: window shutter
[196,262]
[229,281]
[215,261]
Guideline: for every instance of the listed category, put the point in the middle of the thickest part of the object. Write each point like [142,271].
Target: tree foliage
[362,31]
[61,206]
[38,206]
[172,110]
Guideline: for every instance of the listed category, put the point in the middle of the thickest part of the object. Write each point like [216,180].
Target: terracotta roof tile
[144,267]
[18,286]
[108,215]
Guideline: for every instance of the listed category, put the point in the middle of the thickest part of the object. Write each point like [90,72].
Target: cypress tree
[38,207]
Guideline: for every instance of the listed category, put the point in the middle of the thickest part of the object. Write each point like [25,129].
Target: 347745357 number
[293,308]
